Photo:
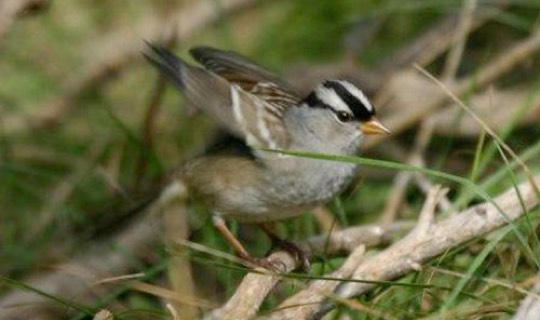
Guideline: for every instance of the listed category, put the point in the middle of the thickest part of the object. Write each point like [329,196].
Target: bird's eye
[344,116]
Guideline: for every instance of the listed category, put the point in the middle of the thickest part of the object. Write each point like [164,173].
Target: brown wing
[247,74]
[250,104]
[266,116]
[237,68]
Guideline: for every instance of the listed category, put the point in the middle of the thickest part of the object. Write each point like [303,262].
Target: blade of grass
[475,172]
[482,123]
[529,154]
[487,158]
[340,210]
[150,153]
[528,221]
[64,302]
[477,262]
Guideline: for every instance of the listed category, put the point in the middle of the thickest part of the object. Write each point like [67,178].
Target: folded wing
[243,97]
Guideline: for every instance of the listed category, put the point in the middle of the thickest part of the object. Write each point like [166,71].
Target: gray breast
[309,181]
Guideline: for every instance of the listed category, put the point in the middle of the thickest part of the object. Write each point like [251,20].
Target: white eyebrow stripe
[357,93]
[330,97]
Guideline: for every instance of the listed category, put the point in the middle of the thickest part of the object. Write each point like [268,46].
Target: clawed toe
[298,253]
[302,256]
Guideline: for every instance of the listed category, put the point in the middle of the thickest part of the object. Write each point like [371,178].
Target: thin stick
[456,53]
[401,181]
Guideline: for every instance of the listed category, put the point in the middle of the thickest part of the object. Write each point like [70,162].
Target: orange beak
[373,126]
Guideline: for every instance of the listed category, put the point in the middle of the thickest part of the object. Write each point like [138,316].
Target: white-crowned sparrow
[264,112]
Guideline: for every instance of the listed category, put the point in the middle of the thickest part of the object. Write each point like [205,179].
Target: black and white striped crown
[342,97]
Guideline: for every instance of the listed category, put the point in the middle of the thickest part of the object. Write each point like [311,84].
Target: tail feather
[168,63]
[201,88]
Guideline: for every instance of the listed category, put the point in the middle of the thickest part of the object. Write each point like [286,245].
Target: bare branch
[103,315]
[254,288]
[417,248]
[426,219]
[305,302]
[348,239]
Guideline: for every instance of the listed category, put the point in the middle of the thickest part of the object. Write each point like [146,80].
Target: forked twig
[419,246]
[254,288]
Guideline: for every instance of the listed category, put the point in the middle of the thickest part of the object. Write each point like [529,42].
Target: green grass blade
[64,302]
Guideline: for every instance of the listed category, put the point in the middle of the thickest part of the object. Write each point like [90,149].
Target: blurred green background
[88,134]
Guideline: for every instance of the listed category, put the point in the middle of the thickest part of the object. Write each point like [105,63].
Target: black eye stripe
[359,110]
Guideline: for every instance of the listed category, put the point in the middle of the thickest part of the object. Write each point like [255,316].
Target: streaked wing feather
[201,88]
[266,127]
[237,69]
[253,112]
[262,128]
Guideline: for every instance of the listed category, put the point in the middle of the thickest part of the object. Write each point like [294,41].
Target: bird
[261,112]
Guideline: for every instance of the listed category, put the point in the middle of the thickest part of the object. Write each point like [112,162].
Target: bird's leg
[219,223]
[289,246]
